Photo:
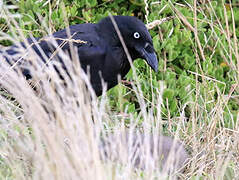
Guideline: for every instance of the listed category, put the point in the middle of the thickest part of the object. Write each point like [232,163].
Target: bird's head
[135,36]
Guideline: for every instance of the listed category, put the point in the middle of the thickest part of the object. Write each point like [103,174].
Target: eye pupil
[136,35]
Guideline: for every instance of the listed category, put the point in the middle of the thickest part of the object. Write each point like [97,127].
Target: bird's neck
[106,30]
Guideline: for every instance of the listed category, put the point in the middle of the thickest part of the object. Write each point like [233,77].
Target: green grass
[194,96]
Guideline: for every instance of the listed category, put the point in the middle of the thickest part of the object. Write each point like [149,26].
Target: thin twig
[158,22]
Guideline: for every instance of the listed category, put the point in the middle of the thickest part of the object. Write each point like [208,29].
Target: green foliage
[185,74]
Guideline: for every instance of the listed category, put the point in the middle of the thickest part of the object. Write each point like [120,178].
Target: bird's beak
[150,57]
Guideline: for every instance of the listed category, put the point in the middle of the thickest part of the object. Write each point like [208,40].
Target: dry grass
[54,133]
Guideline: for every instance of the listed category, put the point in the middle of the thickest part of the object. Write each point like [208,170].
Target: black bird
[102,50]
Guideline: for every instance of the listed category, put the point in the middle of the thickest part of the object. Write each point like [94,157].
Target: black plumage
[102,50]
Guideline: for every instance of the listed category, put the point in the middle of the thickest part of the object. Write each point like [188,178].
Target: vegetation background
[198,80]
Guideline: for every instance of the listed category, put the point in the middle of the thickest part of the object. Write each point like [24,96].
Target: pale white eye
[136,35]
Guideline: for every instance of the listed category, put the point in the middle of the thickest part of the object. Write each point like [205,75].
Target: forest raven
[102,50]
